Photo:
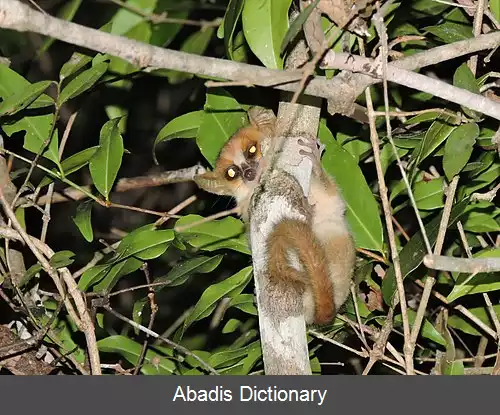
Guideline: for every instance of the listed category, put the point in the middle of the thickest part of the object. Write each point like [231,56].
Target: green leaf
[265,23]
[217,234]
[116,272]
[20,100]
[124,19]
[427,330]
[427,7]
[72,164]
[37,131]
[164,33]
[82,82]
[240,48]
[137,311]
[435,136]
[106,161]
[412,255]
[61,259]
[231,18]
[495,8]
[223,117]
[429,194]
[30,273]
[118,66]
[480,222]
[37,127]
[62,332]
[362,210]
[296,25]
[387,156]
[465,79]
[21,216]
[154,363]
[182,271]
[485,160]
[230,287]
[230,357]
[93,275]
[458,148]
[457,322]
[82,220]
[74,64]
[481,283]
[244,302]
[451,32]
[184,126]
[178,275]
[231,326]
[454,368]
[420,118]
[144,243]
[196,43]
[357,148]
[483,179]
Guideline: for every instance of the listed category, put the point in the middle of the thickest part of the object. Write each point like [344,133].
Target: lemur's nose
[249,174]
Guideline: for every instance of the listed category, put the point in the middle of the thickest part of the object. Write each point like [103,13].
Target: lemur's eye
[232,172]
[252,150]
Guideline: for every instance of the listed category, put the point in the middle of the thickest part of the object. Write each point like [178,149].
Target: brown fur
[297,235]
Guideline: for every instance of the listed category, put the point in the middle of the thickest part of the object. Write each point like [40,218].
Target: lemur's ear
[212,183]
[263,119]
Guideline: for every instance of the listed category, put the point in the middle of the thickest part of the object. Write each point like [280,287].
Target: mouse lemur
[316,255]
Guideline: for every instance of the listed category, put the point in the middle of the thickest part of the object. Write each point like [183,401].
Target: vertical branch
[478,24]
[281,319]
[82,319]
[388,220]
[430,280]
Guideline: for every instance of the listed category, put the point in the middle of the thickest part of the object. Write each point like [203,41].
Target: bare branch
[130,183]
[468,265]
[17,16]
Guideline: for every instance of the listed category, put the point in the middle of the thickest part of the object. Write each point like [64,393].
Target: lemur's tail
[292,236]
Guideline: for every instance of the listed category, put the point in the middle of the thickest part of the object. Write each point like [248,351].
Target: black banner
[249,395]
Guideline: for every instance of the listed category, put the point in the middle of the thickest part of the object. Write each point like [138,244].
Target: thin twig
[18,16]
[430,280]
[171,343]
[163,18]
[477,27]
[388,218]
[317,334]
[358,317]
[210,218]
[377,352]
[132,183]
[39,249]
[154,309]
[50,192]
[370,254]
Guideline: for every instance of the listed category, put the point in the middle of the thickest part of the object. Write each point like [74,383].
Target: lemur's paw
[312,148]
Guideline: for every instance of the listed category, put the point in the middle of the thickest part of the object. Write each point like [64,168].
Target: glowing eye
[232,173]
[252,151]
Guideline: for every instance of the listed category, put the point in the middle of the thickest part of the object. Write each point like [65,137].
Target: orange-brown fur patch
[297,235]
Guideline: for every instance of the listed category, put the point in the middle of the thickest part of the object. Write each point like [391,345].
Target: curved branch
[343,88]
